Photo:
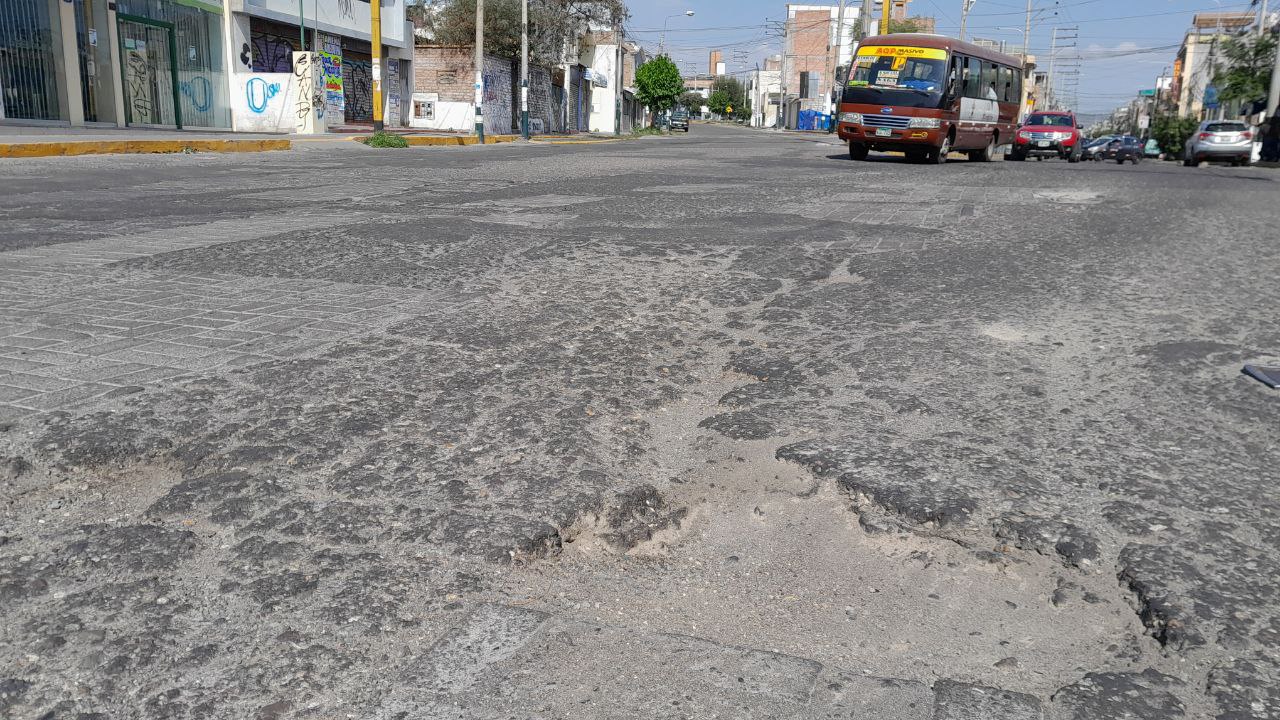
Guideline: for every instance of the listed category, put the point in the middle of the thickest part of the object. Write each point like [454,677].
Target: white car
[1221,140]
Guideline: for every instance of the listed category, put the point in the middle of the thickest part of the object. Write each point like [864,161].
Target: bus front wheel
[858,151]
[938,156]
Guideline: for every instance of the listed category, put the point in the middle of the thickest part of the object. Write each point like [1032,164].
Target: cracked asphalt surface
[716,426]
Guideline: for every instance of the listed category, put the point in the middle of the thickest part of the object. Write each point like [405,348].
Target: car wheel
[858,151]
[1246,162]
[1017,156]
[1073,158]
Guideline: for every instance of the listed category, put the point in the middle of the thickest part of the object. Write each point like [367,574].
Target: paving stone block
[962,701]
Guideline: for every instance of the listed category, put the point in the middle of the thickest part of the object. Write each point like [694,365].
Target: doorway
[149,71]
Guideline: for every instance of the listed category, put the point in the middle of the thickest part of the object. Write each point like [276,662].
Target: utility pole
[524,69]
[1026,40]
[1273,99]
[783,114]
[479,61]
[833,63]
[302,29]
[868,8]
[964,15]
[1262,19]
[1053,54]
[375,44]
[884,16]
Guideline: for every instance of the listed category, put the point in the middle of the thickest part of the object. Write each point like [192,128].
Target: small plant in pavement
[383,139]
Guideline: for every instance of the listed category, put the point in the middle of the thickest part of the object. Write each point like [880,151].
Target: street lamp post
[662,46]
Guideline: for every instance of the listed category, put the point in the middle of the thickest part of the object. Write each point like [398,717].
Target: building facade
[223,64]
[814,48]
[764,89]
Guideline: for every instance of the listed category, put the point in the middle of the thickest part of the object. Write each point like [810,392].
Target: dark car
[680,119]
[1049,134]
[1093,149]
[1125,148]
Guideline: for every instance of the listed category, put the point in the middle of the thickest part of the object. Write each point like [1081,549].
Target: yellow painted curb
[578,142]
[435,140]
[132,147]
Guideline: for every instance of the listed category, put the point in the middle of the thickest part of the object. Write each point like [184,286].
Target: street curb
[433,140]
[133,147]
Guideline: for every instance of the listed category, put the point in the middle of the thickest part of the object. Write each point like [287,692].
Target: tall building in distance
[716,67]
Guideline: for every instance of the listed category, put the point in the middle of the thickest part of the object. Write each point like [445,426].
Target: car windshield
[1225,127]
[898,76]
[1050,120]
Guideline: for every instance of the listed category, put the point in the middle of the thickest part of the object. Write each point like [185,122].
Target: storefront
[31,60]
[173,68]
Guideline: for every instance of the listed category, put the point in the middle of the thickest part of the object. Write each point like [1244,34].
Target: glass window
[972,78]
[990,81]
[197,50]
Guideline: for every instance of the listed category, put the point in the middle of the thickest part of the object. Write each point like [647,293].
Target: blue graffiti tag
[199,91]
[257,91]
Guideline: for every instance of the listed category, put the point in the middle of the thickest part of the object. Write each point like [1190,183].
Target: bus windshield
[900,76]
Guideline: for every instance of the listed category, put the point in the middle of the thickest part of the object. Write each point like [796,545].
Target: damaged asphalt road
[717,426]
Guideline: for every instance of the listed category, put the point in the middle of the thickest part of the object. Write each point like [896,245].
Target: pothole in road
[766,556]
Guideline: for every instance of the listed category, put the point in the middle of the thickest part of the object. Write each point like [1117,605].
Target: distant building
[1193,69]
[716,66]
[814,49]
[764,90]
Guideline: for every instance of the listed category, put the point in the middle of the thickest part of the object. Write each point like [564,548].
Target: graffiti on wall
[392,89]
[199,92]
[259,93]
[309,106]
[357,83]
[138,77]
[331,71]
[272,54]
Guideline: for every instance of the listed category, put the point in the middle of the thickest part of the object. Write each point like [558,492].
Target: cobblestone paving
[717,426]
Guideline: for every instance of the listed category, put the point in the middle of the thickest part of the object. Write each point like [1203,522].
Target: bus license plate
[884,132]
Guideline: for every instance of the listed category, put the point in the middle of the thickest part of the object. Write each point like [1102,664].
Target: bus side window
[954,86]
[1006,81]
[972,78]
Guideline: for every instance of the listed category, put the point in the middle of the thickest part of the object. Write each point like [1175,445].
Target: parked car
[1049,134]
[680,119]
[1221,140]
[1124,148]
[1152,149]
[1094,148]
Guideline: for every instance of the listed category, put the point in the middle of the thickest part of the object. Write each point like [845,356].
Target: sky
[1124,45]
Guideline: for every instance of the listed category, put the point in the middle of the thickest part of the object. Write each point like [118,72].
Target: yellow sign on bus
[895,51]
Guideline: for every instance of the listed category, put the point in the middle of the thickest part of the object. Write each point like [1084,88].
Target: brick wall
[447,70]
[810,42]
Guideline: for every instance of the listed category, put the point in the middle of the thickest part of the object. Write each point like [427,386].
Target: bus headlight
[855,118]
[924,123]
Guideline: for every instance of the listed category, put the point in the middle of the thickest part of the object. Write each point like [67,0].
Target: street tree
[906,25]
[693,101]
[659,85]
[726,93]
[1246,74]
[554,25]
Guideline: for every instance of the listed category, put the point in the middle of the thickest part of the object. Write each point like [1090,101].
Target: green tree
[1246,74]
[909,25]
[742,111]
[1172,132]
[693,101]
[727,92]
[659,85]
[719,102]
[554,25]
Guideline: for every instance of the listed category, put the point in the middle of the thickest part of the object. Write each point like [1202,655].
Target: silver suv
[1219,140]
